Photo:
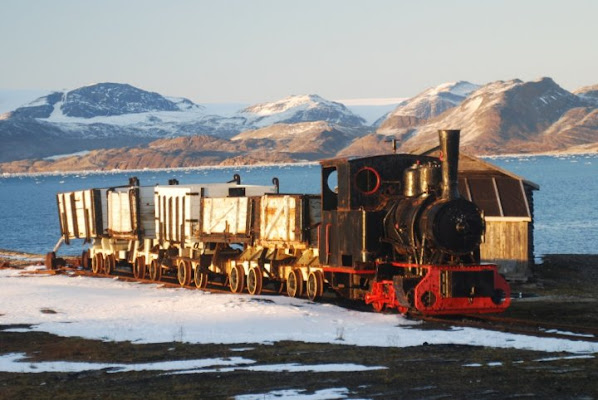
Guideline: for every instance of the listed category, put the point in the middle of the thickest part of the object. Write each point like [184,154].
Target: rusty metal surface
[225,216]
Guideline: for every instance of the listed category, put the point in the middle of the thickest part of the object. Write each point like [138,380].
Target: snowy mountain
[588,94]
[428,104]
[100,100]
[309,126]
[304,140]
[119,109]
[120,114]
[499,117]
[293,109]
[116,110]
[503,116]
[302,127]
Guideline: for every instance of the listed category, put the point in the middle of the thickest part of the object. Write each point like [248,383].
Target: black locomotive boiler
[390,230]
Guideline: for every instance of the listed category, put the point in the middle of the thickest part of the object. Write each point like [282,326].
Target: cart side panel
[225,215]
[81,214]
[280,218]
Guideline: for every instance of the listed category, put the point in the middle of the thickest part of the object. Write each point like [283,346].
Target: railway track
[125,276]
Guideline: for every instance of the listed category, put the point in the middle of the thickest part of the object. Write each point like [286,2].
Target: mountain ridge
[499,117]
[125,115]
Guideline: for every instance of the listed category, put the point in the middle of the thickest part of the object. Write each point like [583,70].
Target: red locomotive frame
[428,297]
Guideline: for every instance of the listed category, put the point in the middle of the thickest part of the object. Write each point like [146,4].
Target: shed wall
[506,244]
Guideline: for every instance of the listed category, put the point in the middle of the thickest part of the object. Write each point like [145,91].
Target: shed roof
[473,165]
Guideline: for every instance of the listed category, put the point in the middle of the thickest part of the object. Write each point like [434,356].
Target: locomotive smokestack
[449,147]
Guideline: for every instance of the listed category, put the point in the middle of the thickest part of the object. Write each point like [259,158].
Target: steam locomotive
[389,230]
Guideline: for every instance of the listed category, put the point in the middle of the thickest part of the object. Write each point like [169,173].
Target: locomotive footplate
[442,289]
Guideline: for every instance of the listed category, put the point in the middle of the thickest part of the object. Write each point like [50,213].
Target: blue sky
[253,51]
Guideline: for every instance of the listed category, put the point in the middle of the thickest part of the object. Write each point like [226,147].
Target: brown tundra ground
[563,290]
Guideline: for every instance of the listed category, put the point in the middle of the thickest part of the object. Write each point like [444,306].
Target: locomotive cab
[355,196]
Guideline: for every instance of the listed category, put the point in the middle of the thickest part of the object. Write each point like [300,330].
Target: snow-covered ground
[18,362]
[113,310]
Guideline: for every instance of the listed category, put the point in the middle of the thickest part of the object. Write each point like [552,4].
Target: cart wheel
[50,261]
[236,279]
[200,279]
[184,272]
[109,264]
[315,285]
[255,280]
[280,287]
[85,260]
[295,283]
[97,263]
[155,270]
[139,267]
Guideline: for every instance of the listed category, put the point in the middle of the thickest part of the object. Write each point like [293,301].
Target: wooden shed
[507,202]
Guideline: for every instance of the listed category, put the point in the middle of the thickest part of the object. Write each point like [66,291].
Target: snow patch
[17,362]
[435,100]
[289,108]
[139,313]
[293,394]
[60,156]
[292,367]
[288,103]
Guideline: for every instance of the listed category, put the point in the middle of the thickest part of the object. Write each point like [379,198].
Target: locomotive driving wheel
[378,306]
[236,279]
[381,296]
[255,281]
[97,263]
[139,267]
[428,299]
[315,285]
[155,270]
[184,272]
[295,283]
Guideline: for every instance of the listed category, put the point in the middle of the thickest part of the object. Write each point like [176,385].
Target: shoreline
[268,165]
[543,154]
[120,171]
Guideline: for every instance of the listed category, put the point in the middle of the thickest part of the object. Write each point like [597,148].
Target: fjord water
[28,209]
[565,207]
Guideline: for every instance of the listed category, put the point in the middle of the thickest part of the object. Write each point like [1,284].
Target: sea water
[28,208]
[565,207]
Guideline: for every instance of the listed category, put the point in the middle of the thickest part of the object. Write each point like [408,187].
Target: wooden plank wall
[506,244]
